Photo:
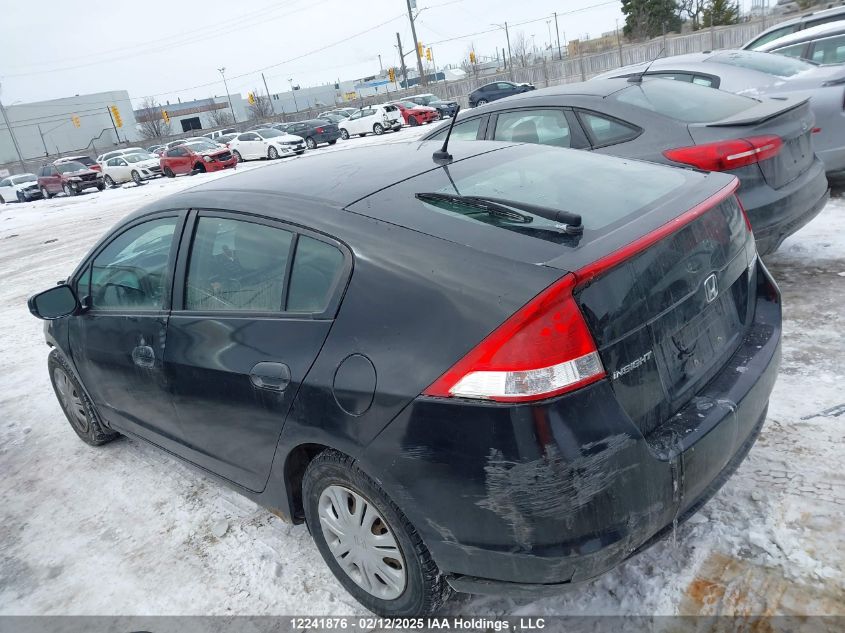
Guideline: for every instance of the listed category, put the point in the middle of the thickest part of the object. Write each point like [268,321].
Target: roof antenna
[638,78]
[442,155]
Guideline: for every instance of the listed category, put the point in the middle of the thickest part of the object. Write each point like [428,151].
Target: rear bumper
[776,214]
[527,498]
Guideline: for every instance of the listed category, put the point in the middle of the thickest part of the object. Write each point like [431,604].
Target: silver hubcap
[362,542]
[70,400]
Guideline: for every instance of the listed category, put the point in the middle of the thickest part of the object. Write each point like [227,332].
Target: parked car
[493,376]
[175,143]
[445,108]
[195,157]
[315,132]
[332,117]
[823,44]
[216,134]
[765,143]
[765,75]
[347,112]
[68,178]
[225,138]
[414,114]
[22,187]
[135,167]
[89,162]
[373,119]
[496,90]
[804,21]
[156,149]
[265,143]
[102,158]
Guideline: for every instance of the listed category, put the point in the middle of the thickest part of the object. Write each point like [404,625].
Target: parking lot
[128,529]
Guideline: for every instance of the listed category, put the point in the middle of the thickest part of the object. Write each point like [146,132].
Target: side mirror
[54,303]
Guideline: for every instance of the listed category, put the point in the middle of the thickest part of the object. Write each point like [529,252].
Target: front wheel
[378,130]
[69,191]
[169,173]
[333,142]
[109,181]
[136,177]
[310,143]
[370,546]
[272,153]
[45,194]
[412,121]
[21,197]
[344,134]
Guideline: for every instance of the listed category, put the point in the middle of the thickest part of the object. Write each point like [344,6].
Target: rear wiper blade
[493,208]
[570,222]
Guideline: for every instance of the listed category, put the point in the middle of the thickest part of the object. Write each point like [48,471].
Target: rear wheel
[2,201]
[136,177]
[272,153]
[237,156]
[77,407]
[344,134]
[310,143]
[333,142]
[378,130]
[481,102]
[367,542]
[109,181]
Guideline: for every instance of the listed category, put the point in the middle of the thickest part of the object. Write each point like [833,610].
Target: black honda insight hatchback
[509,371]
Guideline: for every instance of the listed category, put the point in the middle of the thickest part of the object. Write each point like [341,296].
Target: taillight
[319,130]
[543,350]
[727,155]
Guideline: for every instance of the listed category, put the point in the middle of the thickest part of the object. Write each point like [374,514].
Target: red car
[416,114]
[196,157]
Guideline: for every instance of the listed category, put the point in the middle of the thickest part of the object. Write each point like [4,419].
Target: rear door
[254,300]
[53,179]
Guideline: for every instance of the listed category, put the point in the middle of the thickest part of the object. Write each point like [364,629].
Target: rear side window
[683,101]
[829,51]
[463,131]
[546,127]
[237,265]
[315,272]
[606,131]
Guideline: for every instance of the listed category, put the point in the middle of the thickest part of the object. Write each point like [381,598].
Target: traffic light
[428,54]
[472,57]
[165,116]
[118,122]
[420,48]
[77,122]
[391,74]
[251,98]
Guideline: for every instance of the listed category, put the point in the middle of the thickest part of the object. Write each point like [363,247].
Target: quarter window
[604,131]
[829,51]
[546,127]
[131,272]
[237,265]
[796,50]
[316,268]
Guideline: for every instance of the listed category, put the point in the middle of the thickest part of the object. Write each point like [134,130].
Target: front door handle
[271,376]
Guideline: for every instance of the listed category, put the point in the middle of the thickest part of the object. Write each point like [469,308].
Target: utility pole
[416,45]
[293,92]
[12,134]
[402,59]
[619,44]
[508,37]
[43,142]
[228,96]
[272,107]
[380,67]
[557,30]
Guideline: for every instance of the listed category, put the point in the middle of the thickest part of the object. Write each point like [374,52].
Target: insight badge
[642,360]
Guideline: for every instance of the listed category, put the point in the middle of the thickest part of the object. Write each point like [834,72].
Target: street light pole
[423,80]
[402,59]
[228,96]
[12,134]
[510,56]
[293,92]
[557,30]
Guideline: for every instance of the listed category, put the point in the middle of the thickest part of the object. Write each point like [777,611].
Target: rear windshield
[684,101]
[777,65]
[67,168]
[196,146]
[137,158]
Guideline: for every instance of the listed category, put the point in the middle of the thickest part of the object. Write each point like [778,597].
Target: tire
[333,142]
[69,191]
[412,121]
[169,173]
[272,153]
[378,130]
[20,196]
[481,102]
[344,134]
[77,407]
[109,182]
[101,187]
[437,116]
[45,194]
[237,156]
[136,177]
[199,168]
[2,201]
[421,590]
[310,143]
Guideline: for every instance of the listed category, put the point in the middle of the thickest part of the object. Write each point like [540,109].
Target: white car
[265,143]
[372,119]
[137,167]
[102,158]
[22,187]
[218,133]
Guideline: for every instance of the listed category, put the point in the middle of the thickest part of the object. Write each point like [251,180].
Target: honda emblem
[711,288]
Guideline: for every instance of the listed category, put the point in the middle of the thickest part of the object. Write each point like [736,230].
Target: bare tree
[693,10]
[221,117]
[520,48]
[260,108]
[151,123]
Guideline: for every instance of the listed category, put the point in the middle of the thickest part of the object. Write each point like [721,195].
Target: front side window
[546,127]
[463,131]
[131,273]
[316,268]
[829,51]
[237,265]
[606,131]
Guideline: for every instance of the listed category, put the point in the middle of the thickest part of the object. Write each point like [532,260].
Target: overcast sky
[173,49]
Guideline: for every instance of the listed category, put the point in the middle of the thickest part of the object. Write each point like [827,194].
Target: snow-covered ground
[126,529]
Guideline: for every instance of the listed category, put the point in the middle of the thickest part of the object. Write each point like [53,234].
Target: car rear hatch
[780,126]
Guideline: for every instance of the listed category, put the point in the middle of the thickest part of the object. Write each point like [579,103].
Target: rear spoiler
[769,108]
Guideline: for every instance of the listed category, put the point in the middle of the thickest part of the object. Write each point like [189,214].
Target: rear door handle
[271,376]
